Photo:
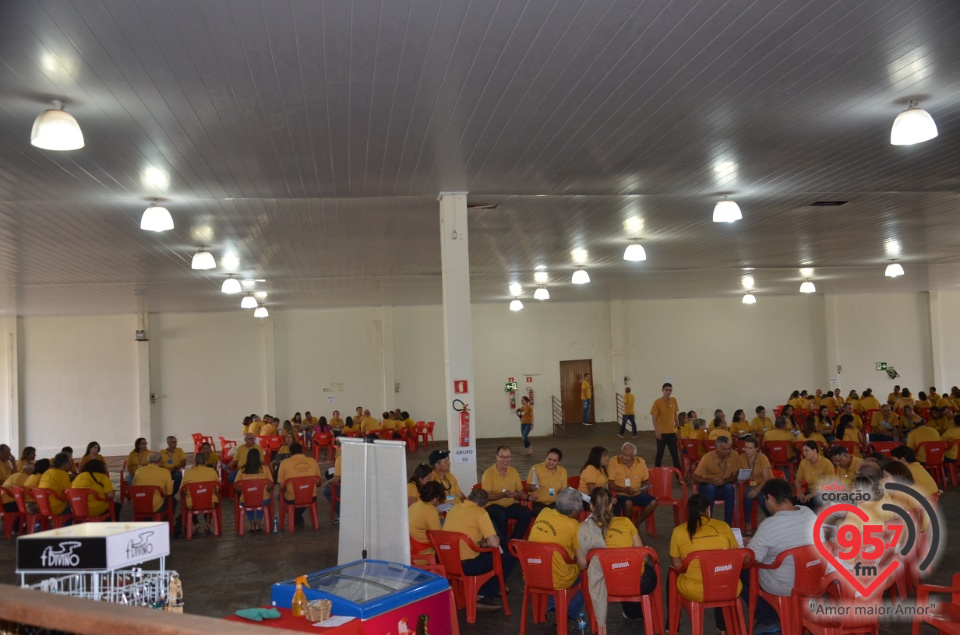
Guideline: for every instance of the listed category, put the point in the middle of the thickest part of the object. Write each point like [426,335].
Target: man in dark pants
[665,422]
[504,491]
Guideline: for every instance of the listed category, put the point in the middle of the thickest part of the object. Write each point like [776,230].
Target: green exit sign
[881,365]
[511,386]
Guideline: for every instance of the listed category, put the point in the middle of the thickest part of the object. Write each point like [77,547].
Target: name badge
[449,497]
[553,492]
[626,482]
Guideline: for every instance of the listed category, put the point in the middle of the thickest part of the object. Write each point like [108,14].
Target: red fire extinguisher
[463,416]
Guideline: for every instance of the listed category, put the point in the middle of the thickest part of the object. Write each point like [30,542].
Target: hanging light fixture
[515,288]
[749,298]
[726,211]
[541,277]
[248,302]
[913,125]
[516,305]
[56,129]
[580,277]
[541,293]
[894,270]
[156,219]
[808,287]
[634,253]
[230,285]
[203,260]
[261,312]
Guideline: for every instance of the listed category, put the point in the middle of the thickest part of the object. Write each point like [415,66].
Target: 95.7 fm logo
[866,554]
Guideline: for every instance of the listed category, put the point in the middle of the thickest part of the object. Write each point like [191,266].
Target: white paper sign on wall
[464,455]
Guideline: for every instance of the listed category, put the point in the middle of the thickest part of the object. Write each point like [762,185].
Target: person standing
[586,396]
[665,421]
[525,411]
[629,413]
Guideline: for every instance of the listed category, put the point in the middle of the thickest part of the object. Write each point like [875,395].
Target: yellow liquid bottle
[299,602]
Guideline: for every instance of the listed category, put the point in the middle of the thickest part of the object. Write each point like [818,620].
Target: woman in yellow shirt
[422,515]
[28,455]
[594,472]
[93,452]
[813,471]
[525,412]
[93,476]
[760,472]
[547,479]
[422,474]
[808,432]
[739,424]
[848,431]
[137,458]
[254,469]
[825,423]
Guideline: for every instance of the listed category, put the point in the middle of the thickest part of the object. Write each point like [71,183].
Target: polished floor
[229,573]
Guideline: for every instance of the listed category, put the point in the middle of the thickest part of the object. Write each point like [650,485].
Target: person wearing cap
[440,462]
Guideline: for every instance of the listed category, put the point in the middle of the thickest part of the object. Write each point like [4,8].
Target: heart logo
[855,582]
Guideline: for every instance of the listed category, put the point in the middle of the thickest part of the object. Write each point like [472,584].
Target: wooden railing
[559,427]
[619,408]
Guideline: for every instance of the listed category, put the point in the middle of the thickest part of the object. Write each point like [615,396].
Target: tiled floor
[229,573]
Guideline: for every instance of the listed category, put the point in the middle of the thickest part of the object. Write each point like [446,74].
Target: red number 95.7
[870,544]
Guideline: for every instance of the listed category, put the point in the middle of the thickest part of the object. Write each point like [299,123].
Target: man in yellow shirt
[847,409]
[561,527]
[884,425]
[715,476]
[504,488]
[58,479]
[240,456]
[154,474]
[629,412]
[369,425]
[921,433]
[440,462]
[892,397]
[830,402]
[950,435]
[922,481]
[173,459]
[472,519]
[761,424]
[868,401]
[664,413]
[270,429]
[297,465]
[17,479]
[255,426]
[201,472]
[630,479]
[781,434]
[586,396]
[845,463]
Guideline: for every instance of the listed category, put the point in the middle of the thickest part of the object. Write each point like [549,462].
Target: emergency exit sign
[881,365]
[511,386]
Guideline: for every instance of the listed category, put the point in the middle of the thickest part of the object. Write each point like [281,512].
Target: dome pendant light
[749,298]
[203,260]
[894,270]
[726,211]
[580,277]
[635,253]
[542,293]
[248,302]
[261,312]
[156,219]
[516,305]
[808,287]
[56,129]
[913,125]
[230,285]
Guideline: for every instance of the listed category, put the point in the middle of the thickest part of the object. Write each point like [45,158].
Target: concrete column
[270,367]
[831,341]
[11,431]
[458,332]
[144,419]
[387,354]
[936,341]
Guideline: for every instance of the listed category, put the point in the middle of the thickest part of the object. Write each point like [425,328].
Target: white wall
[419,366]
[78,383]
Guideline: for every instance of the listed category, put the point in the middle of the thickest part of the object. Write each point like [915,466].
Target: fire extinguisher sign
[461,386]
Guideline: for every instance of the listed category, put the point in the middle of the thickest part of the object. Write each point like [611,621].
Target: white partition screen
[373,501]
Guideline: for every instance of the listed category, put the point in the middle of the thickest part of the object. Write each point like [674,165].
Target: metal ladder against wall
[619,407]
[559,427]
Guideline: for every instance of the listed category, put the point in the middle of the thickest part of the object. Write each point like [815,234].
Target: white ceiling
[311,139]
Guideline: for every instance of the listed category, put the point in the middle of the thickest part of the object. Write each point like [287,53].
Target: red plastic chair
[952,467]
[80,498]
[303,497]
[661,488]
[334,499]
[12,519]
[741,519]
[323,441]
[720,569]
[426,434]
[43,496]
[252,495]
[882,447]
[778,410]
[850,446]
[809,569]
[446,544]
[417,550]
[225,446]
[573,481]
[853,621]
[536,560]
[29,519]
[690,455]
[779,454]
[141,497]
[946,615]
[124,488]
[201,502]
[621,571]
[270,444]
[867,419]
[934,451]
[710,445]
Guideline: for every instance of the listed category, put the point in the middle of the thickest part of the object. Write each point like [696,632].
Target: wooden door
[571,377]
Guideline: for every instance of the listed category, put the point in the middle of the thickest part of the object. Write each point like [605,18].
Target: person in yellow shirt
[950,435]
[893,396]
[270,429]
[57,479]
[440,462]
[699,533]
[201,472]
[422,515]
[923,482]
[795,400]
[715,475]
[137,458]
[586,396]
[92,453]
[369,425]
[93,476]
[560,527]
[17,479]
[848,409]
[240,456]
[504,488]
[255,425]
[760,472]
[910,420]
[336,423]
[255,470]
[27,455]
[408,422]
[868,401]
[848,431]
[630,478]
[629,412]
[39,469]
[719,427]
[153,474]
[547,480]
[664,413]
[905,399]
[921,433]
[297,465]
[884,425]
[809,433]
[761,424]
[471,518]
[923,401]
[739,426]
[824,423]
[813,471]
[525,412]
[854,400]
[844,463]
[594,472]
[173,459]
[937,421]
[780,434]
[388,423]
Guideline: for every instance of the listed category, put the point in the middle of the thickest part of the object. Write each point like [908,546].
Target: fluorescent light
[515,288]
[203,260]
[579,256]
[230,285]
[248,302]
[634,253]
[749,298]
[56,129]
[541,294]
[808,287]
[516,305]
[913,125]
[156,219]
[894,269]
[261,312]
[580,277]
[747,281]
[541,277]
[726,212]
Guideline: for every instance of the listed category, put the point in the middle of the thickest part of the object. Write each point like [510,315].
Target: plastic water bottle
[274,523]
[582,624]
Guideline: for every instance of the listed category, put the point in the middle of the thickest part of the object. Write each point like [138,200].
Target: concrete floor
[229,573]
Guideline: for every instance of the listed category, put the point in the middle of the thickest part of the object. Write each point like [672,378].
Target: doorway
[571,377]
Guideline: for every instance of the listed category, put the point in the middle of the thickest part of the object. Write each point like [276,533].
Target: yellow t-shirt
[761,426]
[269,430]
[892,398]
[494,482]
[450,485]
[636,473]
[553,527]
[172,460]
[200,474]
[17,479]
[629,403]
[32,481]
[665,415]
[526,415]
[738,428]
[781,435]
[712,534]
[254,428]
[922,434]
[869,403]
[335,423]
[412,491]
[101,484]
[620,533]
[136,460]
[711,466]
[547,481]
[409,423]
[470,520]
[297,465]
[716,433]
[922,480]
[263,474]
[586,390]
[760,463]
[57,480]
[592,475]
[369,425]
[155,475]
[949,435]
[846,475]
[829,402]
[815,475]
[421,517]
[388,424]
[816,436]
